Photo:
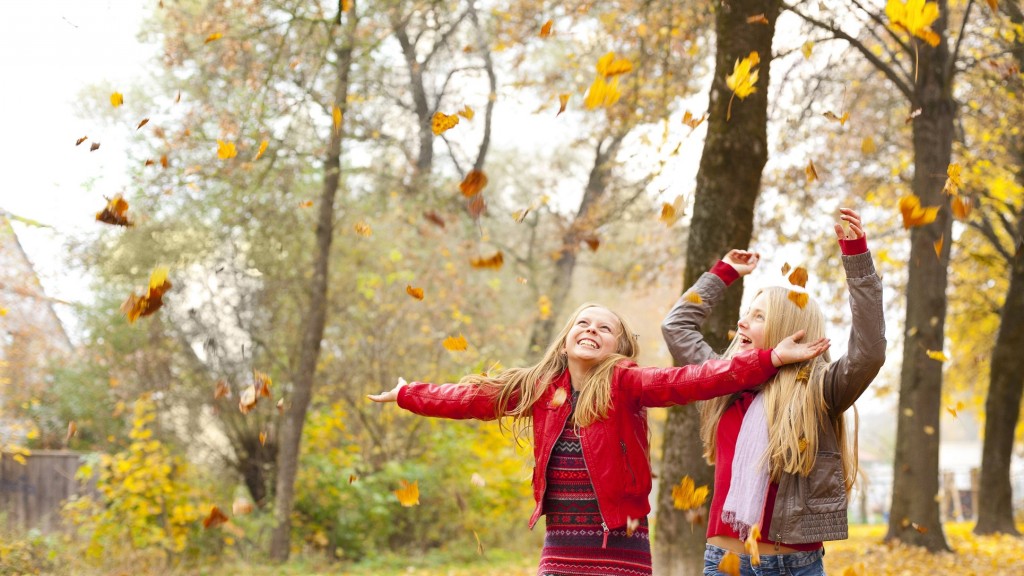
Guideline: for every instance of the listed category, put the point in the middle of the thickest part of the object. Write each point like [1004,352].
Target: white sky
[50,50]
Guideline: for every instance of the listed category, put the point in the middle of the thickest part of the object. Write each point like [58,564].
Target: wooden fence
[31,494]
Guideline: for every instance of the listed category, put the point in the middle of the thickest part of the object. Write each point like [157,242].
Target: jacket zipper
[604,525]
[625,456]
[540,501]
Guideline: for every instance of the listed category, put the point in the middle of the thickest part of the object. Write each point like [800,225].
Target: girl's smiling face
[750,328]
[593,337]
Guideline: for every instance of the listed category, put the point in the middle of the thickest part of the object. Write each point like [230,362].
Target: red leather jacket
[615,449]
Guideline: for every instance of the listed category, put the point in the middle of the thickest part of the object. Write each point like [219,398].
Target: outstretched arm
[454,401]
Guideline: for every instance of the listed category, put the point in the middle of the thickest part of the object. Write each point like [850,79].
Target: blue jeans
[795,564]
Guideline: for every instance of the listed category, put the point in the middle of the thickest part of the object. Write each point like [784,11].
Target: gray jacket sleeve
[848,377]
[681,328]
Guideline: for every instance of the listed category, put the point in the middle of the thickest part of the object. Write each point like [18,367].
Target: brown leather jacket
[807,508]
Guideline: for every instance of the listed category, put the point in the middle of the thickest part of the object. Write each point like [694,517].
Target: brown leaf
[80,140]
[799,277]
[94,146]
[810,171]
[115,212]
[798,298]
[493,262]
[563,101]
[215,518]
[222,390]
[473,183]
[545,30]
[434,218]
[142,123]
[476,206]
[757,19]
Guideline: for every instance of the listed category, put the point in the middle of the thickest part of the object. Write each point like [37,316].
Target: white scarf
[748,488]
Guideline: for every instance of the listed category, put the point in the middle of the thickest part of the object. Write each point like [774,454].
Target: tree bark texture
[290,436]
[914,515]
[728,183]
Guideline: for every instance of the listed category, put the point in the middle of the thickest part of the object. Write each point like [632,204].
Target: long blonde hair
[794,398]
[518,389]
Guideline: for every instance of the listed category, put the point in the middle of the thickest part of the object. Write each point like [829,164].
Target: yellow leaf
[336,118]
[841,119]
[602,93]
[226,150]
[545,30]
[730,564]
[686,496]
[473,183]
[744,77]
[914,214]
[363,229]
[213,37]
[938,247]
[810,171]
[693,296]
[20,459]
[954,182]
[466,112]
[115,212]
[914,17]
[668,213]
[937,355]
[563,101]
[807,49]
[867,146]
[262,149]
[442,122]
[455,344]
[494,262]
[544,307]
[416,293]
[750,545]
[263,438]
[116,99]
[608,65]
[692,121]
[409,493]
[558,398]
[955,409]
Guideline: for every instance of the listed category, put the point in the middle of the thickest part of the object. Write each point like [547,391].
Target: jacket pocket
[824,488]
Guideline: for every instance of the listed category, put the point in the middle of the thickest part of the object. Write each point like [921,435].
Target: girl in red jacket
[586,402]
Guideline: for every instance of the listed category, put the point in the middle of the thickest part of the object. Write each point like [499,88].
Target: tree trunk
[914,515]
[316,315]
[728,182]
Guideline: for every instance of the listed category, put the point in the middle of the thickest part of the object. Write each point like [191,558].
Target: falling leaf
[802,445]
[416,293]
[785,268]
[477,480]
[920,528]
[602,93]
[558,398]
[757,19]
[142,123]
[544,307]
[116,99]
[914,214]
[213,37]
[914,17]
[226,150]
[686,496]
[466,112]
[434,218]
[867,145]
[692,121]
[631,525]
[937,355]
[442,122]
[408,494]
[609,66]
[493,262]
[473,183]
[455,344]
[247,401]
[163,161]
[798,298]
[545,30]
[955,409]
[80,140]
[807,49]
[693,296]
[913,114]
[72,430]
[222,390]
[799,277]
[730,564]
[810,171]
[563,101]
[336,118]
[841,119]
[363,229]
[938,246]
[242,506]
[750,545]
[261,150]
[261,382]
[263,438]
[352,478]
[138,306]
[115,212]
[953,181]
[280,405]
[476,205]
[592,241]
[215,518]
[742,80]
[961,207]
[94,146]
[993,5]
[668,213]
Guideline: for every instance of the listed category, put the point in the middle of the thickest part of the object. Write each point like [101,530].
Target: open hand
[390,395]
[854,229]
[742,261]
[791,350]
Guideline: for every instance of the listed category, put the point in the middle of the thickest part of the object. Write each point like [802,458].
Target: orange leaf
[408,494]
[473,183]
[938,247]
[216,518]
[263,438]
[142,123]
[545,30]
[730,564]
[262,149]
[692,121]
[476,206]
[115,212]
[799,277]
[306,204]
[455,344]
[955,409]
[563,101]
[222,390]
[363,229]
[757,19]
[262,383]
[750,545]
[80,140]
[72,430]
[442,122]
[336,118]
[163,161]
[137,306]
[914,214]
[416,293]
[798,298]
[241,507]
[961,206]
[213,37]
[494,262]
[558,398]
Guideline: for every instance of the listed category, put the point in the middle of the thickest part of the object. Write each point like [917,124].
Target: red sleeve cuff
[765,357]
[854,247]
[727,273]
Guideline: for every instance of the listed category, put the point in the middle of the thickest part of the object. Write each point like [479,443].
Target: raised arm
[454,401]
[849,376]
[681,328]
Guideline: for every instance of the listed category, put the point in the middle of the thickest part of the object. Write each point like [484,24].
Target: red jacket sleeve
[455,401]
[659,387]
